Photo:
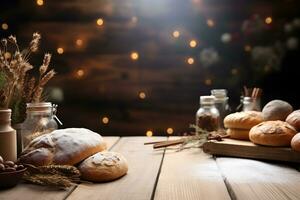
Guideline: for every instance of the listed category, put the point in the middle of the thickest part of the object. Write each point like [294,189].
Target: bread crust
[65,147]
[272,133]
[239,134]
[243,120]
[103,166]
[295,143]
[294,119]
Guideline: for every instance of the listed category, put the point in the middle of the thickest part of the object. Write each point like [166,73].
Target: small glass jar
[221,103]
[251,104]
[208,116]
[39,120]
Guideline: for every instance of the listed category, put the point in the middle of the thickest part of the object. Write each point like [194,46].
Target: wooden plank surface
[246,149]
[138,184]
[252,179]
[190,174]
[32,192]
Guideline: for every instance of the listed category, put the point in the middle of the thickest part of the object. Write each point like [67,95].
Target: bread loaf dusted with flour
[65,146]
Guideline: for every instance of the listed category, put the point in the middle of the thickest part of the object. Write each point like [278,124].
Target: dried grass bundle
[16,87]
[59,176]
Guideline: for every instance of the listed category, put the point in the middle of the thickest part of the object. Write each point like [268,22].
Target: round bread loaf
[103,166]
[65,147]
[276,110]
[239,134]
[272,133]
[295,143]
[243,120]
[294,119]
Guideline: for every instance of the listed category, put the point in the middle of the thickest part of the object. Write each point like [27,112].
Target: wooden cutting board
[246,149]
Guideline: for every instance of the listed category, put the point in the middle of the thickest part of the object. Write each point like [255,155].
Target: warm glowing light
[142,95]
[210,22]
[234,71]
[134,55]
[60,50]
[100,22]
[80,73]
[247,48]
[190,61]
[4,26]
[208,81]
[40,2]
[149,133]
[193,43]
[176,34]
[105,120]
[268,20]
[170,131]
[79,42]
[7,55]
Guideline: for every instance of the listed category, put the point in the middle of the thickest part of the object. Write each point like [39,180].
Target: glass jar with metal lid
[39,120]
[208,116]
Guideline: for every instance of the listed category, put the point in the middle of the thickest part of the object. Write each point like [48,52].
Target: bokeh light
[170,131]
[4,26]
[142,95]
[134,55]
[79,42]
[268,20]
[210,23]
[60,50]
[208,81]
[40,2]
[149,133]
[234,71]
[105,120]
[80,73]
[193,43]
[100,21]
[176,34]
[190,60]
[7,55]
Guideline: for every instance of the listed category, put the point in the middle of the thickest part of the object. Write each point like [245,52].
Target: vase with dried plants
[17,84]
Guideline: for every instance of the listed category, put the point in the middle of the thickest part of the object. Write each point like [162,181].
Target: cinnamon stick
[168,143]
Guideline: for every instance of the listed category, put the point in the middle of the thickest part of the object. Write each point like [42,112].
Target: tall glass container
[221,103]
[39,120]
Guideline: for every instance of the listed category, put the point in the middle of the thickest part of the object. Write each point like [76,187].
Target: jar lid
[38,107]
[219,93]
[207,99]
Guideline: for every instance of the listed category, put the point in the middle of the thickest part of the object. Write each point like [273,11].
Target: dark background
[99,79]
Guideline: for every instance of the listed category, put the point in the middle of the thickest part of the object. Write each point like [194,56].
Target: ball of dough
[276,110]
[103,166]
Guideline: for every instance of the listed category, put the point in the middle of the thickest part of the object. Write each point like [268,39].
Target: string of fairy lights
[134,56]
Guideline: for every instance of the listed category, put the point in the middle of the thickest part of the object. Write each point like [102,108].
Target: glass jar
[39,120]
[250,103]
[208,116]
[221,103]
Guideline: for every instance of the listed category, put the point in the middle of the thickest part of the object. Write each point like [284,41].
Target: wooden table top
[166,174]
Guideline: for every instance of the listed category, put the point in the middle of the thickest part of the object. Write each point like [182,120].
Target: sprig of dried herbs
[16,86]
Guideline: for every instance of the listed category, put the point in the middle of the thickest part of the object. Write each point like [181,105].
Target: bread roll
[65,147]
[103,166]
[239,134]
[294,119]
[276,110]
[295,143]
[272,133]
[243,120]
